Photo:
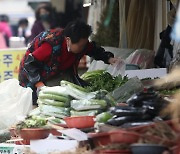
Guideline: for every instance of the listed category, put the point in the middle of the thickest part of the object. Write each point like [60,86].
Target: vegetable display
[53,103]
[56,103]
[32,122]
[86,103]
[141,107]
[100,79]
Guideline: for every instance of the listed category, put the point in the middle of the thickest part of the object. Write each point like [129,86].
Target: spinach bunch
[105,81]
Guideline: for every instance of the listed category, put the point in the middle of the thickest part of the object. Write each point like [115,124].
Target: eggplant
[136,99]
[127,111]
[153,107]
[118,121]
[135,124]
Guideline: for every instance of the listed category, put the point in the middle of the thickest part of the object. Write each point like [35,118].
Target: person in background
[2,41]
[44,20]
[5,28]
[54,55]
[23,29]
[165,53]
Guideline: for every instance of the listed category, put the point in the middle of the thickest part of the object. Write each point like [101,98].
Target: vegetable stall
[117,114]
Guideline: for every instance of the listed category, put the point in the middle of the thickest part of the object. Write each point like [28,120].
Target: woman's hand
[39,86]
[113,60]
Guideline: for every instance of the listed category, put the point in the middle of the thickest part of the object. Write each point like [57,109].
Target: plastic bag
[16,101]
[117,68]
[97,65]
[142,57]
[124,92]
[114,70]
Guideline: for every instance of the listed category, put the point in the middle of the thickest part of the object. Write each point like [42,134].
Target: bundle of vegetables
[80,105]
[101,79]
[54,111]
[80,93]
[54,96]
[87,107]
[77,92]
[85,102]
[49,112]
[32,122]
[54,103]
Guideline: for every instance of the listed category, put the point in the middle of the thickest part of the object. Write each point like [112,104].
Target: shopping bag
[16,102]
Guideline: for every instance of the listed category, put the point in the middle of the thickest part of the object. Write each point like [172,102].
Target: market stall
[129,107]
[114,114]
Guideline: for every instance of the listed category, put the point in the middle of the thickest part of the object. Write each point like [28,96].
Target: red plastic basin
[80,121]
[34,133]
[100,139]
[122,136]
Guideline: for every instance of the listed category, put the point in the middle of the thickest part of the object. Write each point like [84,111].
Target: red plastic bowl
[122,136]
[80,121]
[100,139]
[34,133]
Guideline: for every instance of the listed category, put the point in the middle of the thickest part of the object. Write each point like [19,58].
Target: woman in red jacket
[56,52]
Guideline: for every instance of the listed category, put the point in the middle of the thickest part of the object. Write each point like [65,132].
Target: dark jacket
[38,27]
